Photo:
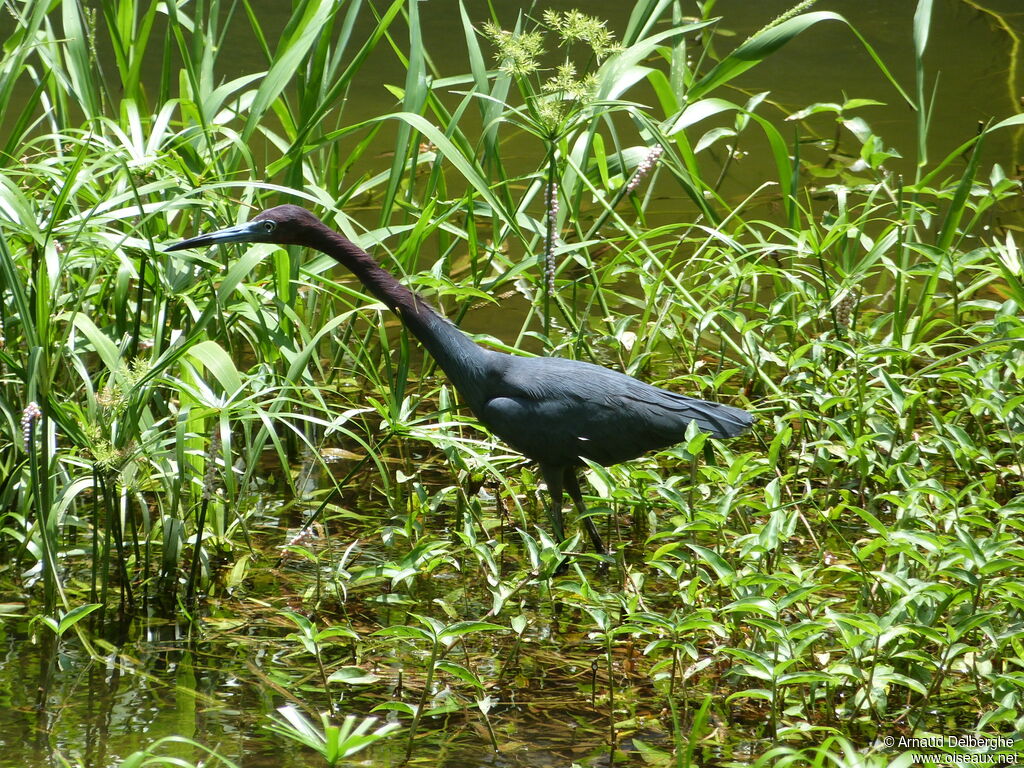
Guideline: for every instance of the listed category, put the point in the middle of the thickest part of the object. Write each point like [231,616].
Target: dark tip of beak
[243,233]
[192,242]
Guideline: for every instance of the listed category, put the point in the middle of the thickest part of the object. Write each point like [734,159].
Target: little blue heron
[552,410]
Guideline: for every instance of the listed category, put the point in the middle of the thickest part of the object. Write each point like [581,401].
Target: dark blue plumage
[552,410]
[558,411]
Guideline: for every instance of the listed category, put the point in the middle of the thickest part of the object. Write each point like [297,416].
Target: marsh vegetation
[241,513]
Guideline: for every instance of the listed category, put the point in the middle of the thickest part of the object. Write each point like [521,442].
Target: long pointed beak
[243,233]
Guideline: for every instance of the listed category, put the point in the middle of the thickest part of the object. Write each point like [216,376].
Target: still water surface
[220,687]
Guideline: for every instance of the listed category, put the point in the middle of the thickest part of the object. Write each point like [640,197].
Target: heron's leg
[553,477]
[572,485]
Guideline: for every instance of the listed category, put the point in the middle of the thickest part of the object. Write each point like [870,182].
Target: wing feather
[555,410]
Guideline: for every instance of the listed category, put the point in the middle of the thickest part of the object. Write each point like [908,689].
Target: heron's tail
[718,420]
[723,420]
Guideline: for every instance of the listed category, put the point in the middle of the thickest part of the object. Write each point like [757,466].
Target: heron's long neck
[457,354]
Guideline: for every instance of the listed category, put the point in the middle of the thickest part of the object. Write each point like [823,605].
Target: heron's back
[558,411]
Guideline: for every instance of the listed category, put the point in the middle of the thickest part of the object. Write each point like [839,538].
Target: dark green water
[220,689]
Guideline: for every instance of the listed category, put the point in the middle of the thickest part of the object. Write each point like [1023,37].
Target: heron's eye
[269,226]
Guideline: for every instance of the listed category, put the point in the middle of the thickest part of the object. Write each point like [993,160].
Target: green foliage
[850,571]
[333,742]
[154,754]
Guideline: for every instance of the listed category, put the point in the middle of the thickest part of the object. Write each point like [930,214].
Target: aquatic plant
[170,421]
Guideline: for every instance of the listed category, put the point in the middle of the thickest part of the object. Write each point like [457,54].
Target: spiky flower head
[111,398]
[565,82]
[519,52]
[551,111]
[574,26]
[107,457]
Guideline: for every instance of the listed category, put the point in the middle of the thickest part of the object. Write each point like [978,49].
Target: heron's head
[285,224]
